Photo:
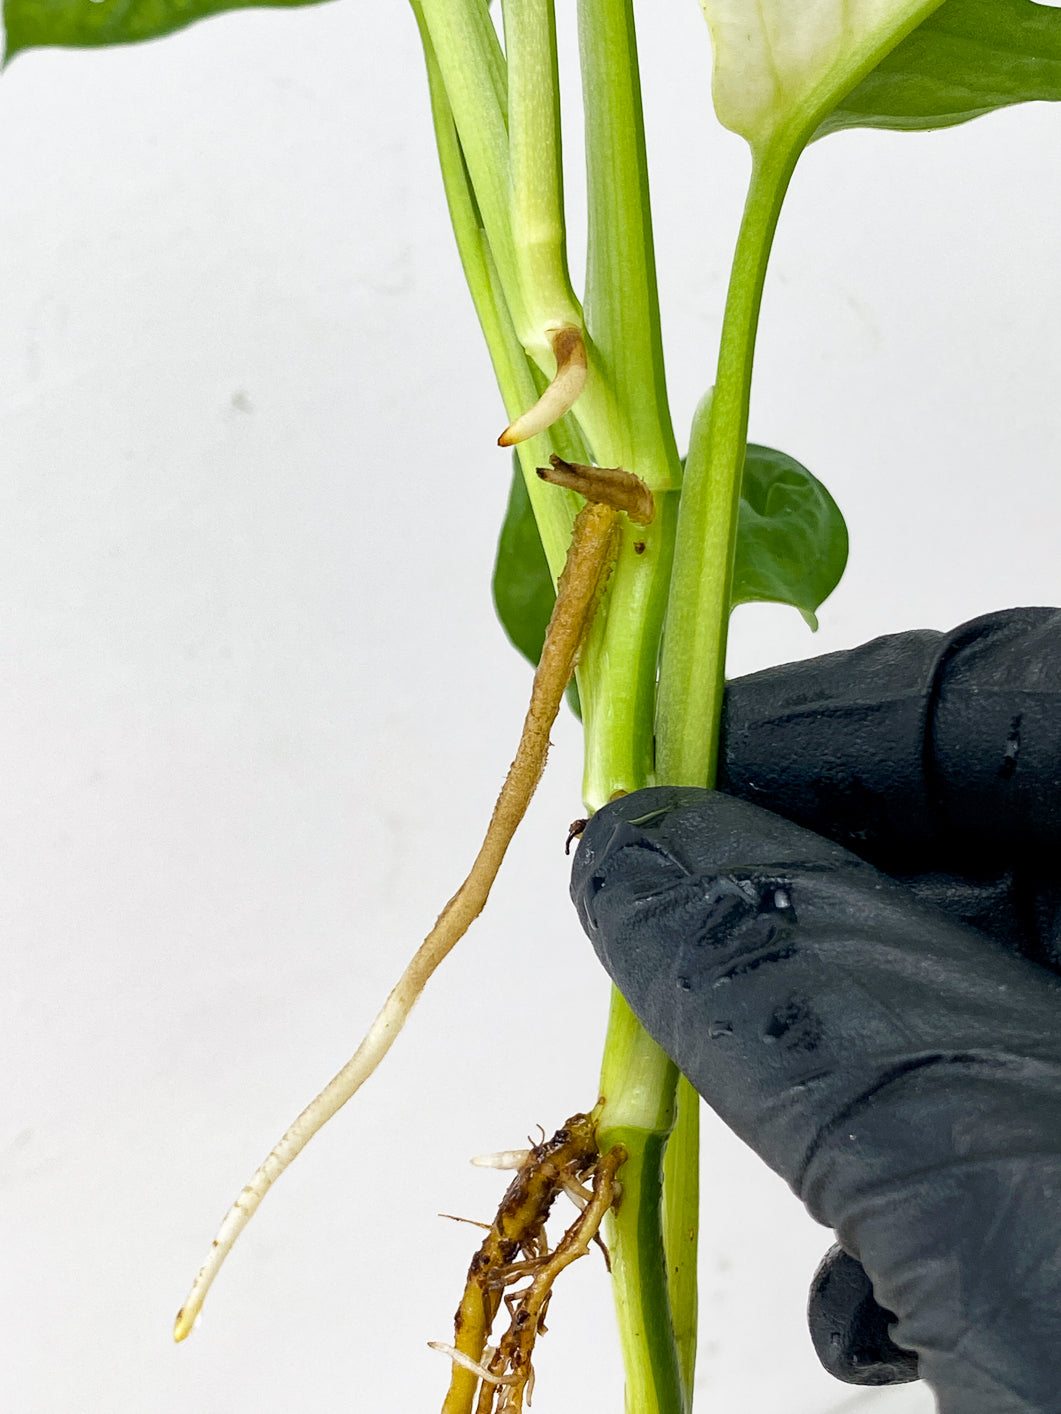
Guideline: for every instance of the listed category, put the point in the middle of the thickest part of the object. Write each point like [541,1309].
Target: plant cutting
[582,381]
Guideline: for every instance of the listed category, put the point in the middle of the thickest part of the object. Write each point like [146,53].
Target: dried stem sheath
[593,546]
[603,483]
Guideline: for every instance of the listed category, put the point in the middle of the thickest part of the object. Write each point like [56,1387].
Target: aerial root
[594,544]
[499,1381]
[572,366]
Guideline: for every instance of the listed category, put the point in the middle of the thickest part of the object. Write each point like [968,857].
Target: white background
[254,706]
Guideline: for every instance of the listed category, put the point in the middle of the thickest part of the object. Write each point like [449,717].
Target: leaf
[968,58]
[523,587]
[791,537]
[781,65]
[89,23]
[791,549]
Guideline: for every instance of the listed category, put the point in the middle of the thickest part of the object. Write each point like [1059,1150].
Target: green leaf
[523,587]
[791,537]
[88,23]
[968,58]
[791,548]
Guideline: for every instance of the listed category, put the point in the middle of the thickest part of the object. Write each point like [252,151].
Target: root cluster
[496,1379]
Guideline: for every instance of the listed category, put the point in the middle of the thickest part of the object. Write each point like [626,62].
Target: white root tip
[317,1113]
[506,1159]
[467,1363]
[562,392]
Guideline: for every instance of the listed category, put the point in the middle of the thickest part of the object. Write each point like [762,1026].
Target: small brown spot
[639,547]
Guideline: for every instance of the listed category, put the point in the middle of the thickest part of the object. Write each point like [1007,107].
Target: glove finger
[851,1334]
[922,744]
[901,1072]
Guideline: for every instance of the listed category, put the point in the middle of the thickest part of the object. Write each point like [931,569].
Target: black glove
[887,1038]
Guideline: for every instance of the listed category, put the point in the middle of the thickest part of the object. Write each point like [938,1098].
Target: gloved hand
[867,990]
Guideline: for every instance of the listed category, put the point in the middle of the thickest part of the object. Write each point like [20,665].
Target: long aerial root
[516,1248]
[589,561]
[559,397]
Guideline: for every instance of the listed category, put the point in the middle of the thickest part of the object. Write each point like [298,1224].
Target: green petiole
[692,666]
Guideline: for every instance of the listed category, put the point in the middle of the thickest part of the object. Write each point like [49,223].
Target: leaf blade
[968,58]
[80,24]
[522,585]
[791,536]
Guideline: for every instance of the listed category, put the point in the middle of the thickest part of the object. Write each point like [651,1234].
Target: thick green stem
[681,1225]
[637,1086]
[554,510]
[536,174]
[617,683]
[474,77]
[624,408]
[692,669]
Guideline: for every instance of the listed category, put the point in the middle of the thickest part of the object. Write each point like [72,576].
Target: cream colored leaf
[784,63]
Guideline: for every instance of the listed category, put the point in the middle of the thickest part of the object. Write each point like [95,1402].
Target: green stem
[637,1086]
[681,1219]
[536,173]
[474,78]
[624,408]
[617,684]
[692,669]
[621,300]
[555,510]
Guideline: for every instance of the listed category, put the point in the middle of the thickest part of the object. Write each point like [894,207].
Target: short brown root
[498,1381]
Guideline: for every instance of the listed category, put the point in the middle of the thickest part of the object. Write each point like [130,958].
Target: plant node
[495,1381]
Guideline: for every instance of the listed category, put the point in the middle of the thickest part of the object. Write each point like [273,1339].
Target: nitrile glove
[887,1038]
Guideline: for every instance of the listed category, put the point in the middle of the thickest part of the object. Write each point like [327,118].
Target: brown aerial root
[494,1380]
[572,366]
[594,542]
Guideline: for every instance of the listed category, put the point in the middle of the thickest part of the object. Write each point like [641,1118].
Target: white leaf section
[776,61]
